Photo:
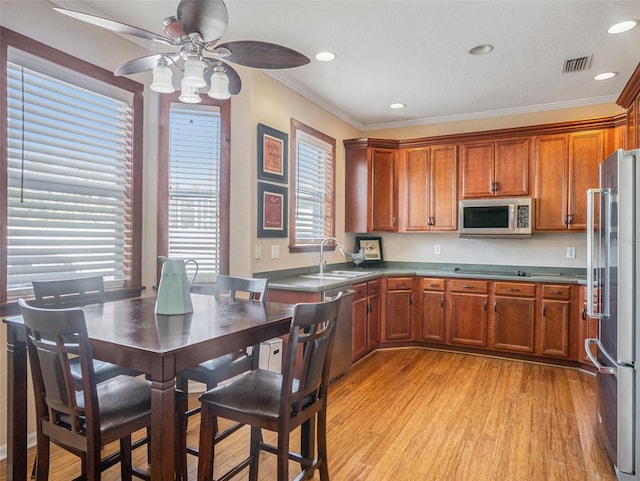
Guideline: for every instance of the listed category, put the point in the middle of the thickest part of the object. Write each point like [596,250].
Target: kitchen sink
[335,275]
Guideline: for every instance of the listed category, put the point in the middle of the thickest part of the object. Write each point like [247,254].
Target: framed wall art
[272,154]
[372,248]
[272,210]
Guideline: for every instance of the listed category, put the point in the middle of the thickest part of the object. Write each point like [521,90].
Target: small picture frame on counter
[372,247]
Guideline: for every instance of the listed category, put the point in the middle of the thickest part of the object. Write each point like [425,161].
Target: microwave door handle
[512,217]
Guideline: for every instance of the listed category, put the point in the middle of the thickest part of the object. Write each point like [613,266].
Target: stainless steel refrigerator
[613,290]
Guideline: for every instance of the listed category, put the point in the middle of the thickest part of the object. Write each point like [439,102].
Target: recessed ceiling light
[397,106]
[622,26]
[325,56]
[605,75]
[481,49]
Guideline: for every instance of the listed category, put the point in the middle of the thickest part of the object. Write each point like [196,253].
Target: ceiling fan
[193,32]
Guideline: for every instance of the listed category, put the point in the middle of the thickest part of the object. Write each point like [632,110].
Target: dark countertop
[291,279]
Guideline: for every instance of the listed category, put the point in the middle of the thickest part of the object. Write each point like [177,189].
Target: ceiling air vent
[577,64]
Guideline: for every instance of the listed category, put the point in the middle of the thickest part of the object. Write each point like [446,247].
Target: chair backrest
[229,286]
[54,337]
[308,357]
[69,292]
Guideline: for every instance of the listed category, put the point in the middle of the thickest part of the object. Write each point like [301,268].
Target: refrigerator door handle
[602,369]
[596,299]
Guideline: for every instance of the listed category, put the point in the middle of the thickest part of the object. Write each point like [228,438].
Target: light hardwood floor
[421,415]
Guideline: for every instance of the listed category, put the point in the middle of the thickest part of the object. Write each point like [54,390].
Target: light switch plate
[258,252]
[275,251]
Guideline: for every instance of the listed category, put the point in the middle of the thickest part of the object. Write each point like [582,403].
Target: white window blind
[194,187]
[69,176]
[314,189]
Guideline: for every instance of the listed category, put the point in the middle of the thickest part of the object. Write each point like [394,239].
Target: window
[194,184]
[313,184]
[70,158]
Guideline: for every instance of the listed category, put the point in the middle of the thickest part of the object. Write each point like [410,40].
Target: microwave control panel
[522,218]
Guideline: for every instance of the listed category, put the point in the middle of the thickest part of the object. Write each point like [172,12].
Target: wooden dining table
[130,334]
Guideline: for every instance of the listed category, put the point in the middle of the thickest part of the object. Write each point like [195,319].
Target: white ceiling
[416,52]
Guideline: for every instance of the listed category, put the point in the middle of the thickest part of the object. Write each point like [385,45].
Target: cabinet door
[433,316]
[359,328]
[554,328]
[586,151]
[551,171]
[443,198]
[477,170]
[511,167]
[588,328]
[373,322]
[468,319]
[514,326]
[382,203]
[414,192]
[398,324]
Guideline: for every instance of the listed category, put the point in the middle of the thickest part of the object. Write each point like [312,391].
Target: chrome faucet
[338,245]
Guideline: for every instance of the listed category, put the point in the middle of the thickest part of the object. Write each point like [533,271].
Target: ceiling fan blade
[209,18]
[143,63]
[115,26]
[235,83]
[251,53]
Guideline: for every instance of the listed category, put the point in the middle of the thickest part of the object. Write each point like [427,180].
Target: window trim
[163,176]
[9,38]
[294,246]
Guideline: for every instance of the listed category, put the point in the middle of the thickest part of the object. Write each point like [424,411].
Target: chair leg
[94,467]
[283,456]
[254,453]
[41,465]
[206,445]
[322,445]
[125,458]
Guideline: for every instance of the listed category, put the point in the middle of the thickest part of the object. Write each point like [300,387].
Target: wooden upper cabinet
[495,168]
[566,166]
[428,189]
[382,190]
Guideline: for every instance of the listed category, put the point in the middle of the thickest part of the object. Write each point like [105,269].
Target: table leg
[163,405]
[16,405]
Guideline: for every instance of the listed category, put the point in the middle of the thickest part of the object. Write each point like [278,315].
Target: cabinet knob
[467,286]
[513,289]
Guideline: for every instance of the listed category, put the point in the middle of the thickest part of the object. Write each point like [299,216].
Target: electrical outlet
[437,249]
[258,252]
[571,252]
[275,251]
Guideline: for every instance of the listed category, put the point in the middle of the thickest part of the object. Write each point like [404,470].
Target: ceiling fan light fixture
[162,78]
[194,73]
[189,94]
[219,84]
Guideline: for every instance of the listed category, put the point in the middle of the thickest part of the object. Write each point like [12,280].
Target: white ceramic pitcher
[174,291]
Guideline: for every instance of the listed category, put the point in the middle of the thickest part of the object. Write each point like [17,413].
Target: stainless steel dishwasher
[342,356]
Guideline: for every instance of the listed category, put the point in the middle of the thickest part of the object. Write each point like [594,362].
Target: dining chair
[84,421]
[65,293]
[221,368]
[280,402]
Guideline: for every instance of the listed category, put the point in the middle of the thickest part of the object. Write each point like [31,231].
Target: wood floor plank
[417,414]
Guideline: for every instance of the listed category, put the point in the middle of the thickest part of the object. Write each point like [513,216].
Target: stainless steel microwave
[507,217]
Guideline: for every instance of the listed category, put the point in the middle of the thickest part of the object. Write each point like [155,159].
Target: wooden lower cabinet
[398,323]
[555,321]
[432,327]
[467,313]
[366,318]
[514,317]
[588,328]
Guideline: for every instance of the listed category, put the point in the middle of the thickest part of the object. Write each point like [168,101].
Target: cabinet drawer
[556,292]
[519,289]
[398,283]
[466,285]
[360,291]
[430,284]
[373,287]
